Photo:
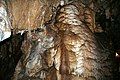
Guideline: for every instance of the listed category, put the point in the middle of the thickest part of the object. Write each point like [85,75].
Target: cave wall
[10,49]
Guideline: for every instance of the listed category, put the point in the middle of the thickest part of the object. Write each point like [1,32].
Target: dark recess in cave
[10,53]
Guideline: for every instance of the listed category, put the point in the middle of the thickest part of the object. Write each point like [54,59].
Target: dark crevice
[10,53]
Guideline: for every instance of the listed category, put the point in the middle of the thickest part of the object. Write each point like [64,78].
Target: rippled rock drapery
[79,52]
[64,50]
